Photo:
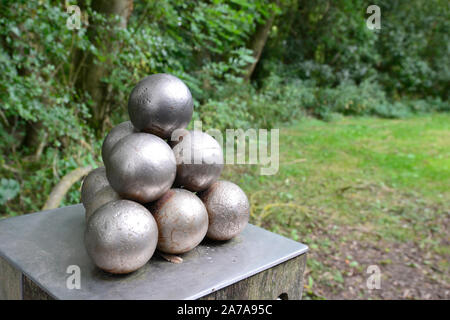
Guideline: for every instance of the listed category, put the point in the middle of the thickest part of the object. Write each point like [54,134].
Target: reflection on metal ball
[101,197]
[199,160]
[121,236]
[94,181]
[182,221]
[159,104]
[228,210]
[141,167]
[118,132]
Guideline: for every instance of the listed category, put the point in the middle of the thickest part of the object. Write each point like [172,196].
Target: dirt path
[407,271]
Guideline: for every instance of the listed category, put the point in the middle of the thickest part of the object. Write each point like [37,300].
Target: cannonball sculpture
[199,160]
[182,221]
[118,132]
[94,181]
[228,210]
[143,199]
[159,104]
[121,236]
[141,167]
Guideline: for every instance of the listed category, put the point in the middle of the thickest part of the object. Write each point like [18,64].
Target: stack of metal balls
[154,192]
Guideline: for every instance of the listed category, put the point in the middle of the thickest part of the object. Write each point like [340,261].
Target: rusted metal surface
[182,221]
[228,210]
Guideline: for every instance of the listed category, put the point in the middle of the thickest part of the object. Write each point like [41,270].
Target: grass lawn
[360,192]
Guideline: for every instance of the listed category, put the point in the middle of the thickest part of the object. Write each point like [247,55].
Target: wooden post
[10,281]
[284,281]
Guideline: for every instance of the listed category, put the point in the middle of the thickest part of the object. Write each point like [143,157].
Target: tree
[257,44]
[259,39]
[92,69]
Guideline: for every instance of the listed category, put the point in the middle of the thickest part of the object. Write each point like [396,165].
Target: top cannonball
[160,104]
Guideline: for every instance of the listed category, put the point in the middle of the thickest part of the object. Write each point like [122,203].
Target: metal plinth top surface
[43,245]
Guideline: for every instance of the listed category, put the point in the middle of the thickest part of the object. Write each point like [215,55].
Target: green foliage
[247,107]
[37,89]
[202,43]
[9,188]
[414,46]
[349,99]
[35,85]
[368,98]
[328,43]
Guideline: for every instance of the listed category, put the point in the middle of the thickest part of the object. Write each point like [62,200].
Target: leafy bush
[391,110]
[368,98]
[9,188]
[414,45]
[276,102]
[37,85]
[327,42]
[349,99]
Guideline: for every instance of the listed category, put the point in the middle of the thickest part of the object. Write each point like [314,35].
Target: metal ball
[199,161]
[101,197]
[159,104]
[228,210]
[118,132]
[121,236]
[94,181]
[182,221]
[141,167]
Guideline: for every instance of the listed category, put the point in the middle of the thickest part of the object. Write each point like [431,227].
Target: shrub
[278,101]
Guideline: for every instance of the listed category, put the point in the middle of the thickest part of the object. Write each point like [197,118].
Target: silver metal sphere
[141,167]
[121,236]
[182,221]
[228,210]
[118,132]
[101,197]
[159,104]
[94,181]
[199,160]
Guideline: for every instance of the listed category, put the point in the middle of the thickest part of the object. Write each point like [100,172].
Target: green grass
[356,178]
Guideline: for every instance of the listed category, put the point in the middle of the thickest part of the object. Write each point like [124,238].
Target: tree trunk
[63,186]
[33,134]
[257,44]
[91,70]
